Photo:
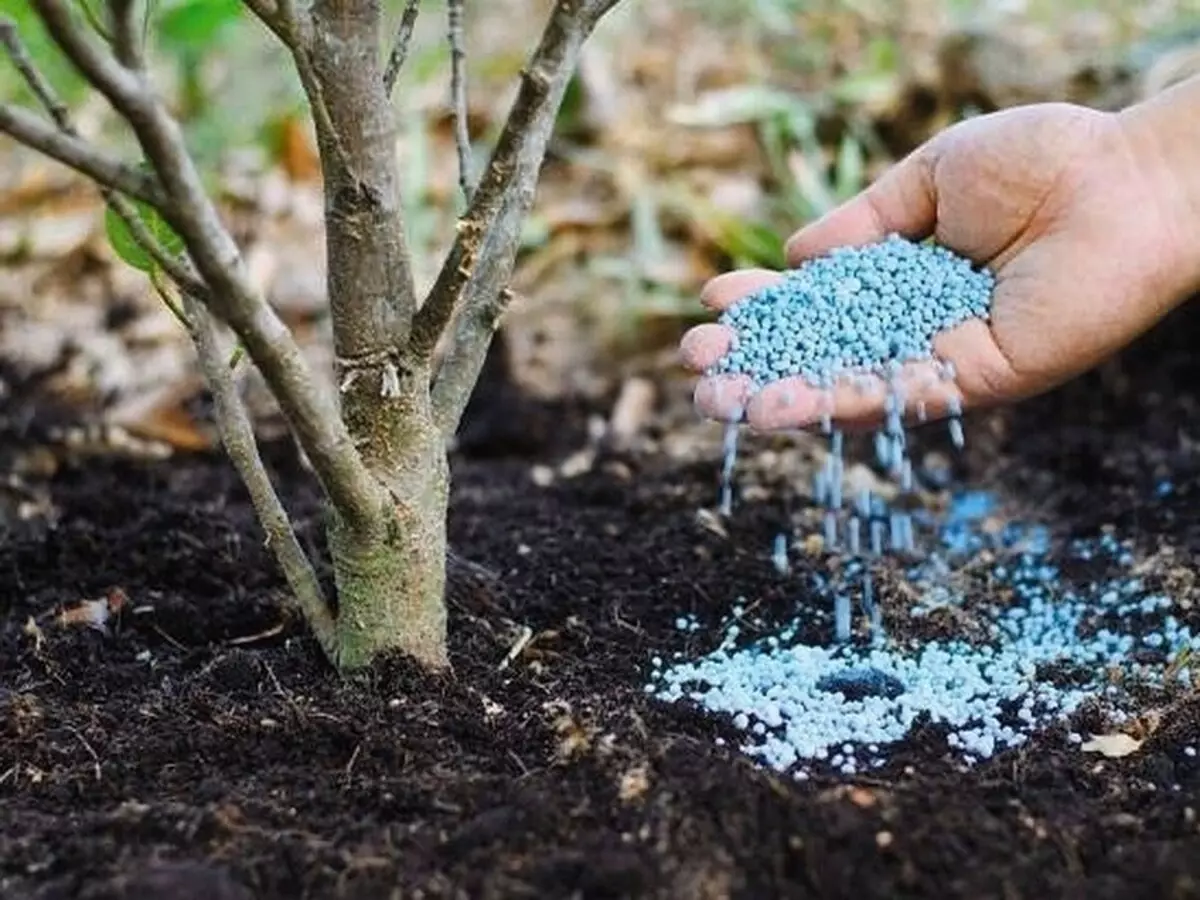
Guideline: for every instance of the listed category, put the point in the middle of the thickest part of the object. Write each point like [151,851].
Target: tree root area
[201,747]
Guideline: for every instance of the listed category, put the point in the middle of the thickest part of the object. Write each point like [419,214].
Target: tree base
[391,586]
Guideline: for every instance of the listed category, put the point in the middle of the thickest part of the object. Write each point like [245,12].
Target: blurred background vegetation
[697,135]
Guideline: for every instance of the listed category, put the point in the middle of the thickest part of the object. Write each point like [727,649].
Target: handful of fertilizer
[856,311]
[857,314]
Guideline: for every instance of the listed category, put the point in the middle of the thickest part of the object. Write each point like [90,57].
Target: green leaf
[126,246]
[123,243]
[197,23]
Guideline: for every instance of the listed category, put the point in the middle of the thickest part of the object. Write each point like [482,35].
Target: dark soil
[174,758]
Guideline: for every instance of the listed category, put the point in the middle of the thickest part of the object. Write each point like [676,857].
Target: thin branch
[311,411]
[595,10]
[237,435]
[38,134]
[399,53]
[41,88]
[267,12]
[473,280]
[118,84]
[94,20]
[524,138]
[45,94]
[281,17]
[126,31]
[294,29]
[233,421]
[180,273]
[458,93]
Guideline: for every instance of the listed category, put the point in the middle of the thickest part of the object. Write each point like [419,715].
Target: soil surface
[202,748]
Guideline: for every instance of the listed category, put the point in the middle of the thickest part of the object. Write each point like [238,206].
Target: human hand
[1063,204]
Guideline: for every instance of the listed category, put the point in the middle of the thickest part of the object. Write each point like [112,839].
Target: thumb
[902,200]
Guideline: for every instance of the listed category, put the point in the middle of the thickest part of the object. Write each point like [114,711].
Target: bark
[390,570]
[391,581]
[371,293]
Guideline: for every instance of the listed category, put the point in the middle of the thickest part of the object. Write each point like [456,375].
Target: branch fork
[377,449]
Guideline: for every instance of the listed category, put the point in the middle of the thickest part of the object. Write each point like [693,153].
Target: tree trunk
[391,577]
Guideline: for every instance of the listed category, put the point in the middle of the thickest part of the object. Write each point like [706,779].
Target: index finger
[726,289]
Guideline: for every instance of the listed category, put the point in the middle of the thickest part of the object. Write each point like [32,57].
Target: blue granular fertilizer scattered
[855,309]
[844,705]
[804,707]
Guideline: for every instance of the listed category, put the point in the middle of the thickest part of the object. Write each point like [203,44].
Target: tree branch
[474,278]
[180,273]
[127,43]
[233,421]
[37,134]
[458,94]
[45,94]
[267,12]
[237,436]
[595,10]
[399,53]
[42,90]
[294,29]
[313,415]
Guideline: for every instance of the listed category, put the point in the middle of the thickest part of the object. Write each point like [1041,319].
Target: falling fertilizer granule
[841,701]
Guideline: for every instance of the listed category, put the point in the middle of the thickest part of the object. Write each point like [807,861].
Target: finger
[787,404]
[704,345]
[902,201]
[856,402]
[722,292]
[723,397]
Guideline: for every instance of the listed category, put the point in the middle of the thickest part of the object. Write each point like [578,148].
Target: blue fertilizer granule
[857,309]
[803,707]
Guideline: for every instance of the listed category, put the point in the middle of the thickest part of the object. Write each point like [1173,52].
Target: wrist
[1163,132]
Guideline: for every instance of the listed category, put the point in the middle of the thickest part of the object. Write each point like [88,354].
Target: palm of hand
[1050,199]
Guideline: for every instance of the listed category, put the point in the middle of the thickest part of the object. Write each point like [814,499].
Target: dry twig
[399,53]
[458,96]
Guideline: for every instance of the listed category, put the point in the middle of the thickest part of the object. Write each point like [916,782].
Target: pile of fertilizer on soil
[1052,645]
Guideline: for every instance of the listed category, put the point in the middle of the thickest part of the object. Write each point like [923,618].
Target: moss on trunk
[391,578]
